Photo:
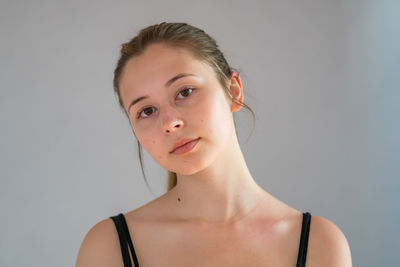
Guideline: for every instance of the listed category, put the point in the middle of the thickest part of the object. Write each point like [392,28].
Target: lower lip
[186,148]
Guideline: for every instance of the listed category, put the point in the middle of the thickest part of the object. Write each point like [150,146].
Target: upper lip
[181,142]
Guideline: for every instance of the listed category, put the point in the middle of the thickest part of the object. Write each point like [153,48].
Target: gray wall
[320,75]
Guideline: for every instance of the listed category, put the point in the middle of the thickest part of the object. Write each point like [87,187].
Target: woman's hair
[176,35]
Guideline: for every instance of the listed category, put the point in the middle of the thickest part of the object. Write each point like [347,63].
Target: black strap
[124,240]
[305,231]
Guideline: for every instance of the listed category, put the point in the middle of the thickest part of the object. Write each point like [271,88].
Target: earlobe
[236,91]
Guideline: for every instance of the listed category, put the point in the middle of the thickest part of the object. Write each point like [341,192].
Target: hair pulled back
[179,35]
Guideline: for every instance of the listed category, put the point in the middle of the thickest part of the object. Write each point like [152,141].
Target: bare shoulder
[327,245]
[100,247]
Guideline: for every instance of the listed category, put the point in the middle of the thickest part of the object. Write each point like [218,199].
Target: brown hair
[179,35]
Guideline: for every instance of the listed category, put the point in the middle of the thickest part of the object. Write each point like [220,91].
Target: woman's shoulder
[100,246]
[157,210]
[327,244]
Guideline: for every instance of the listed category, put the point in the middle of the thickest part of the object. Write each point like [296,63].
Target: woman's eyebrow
[176,77]
[167,84]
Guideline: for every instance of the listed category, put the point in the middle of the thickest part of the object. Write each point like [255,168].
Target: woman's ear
[236,91]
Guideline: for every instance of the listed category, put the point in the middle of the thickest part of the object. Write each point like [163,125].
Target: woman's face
[183,99]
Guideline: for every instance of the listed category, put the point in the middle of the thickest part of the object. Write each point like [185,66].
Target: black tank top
[126,241]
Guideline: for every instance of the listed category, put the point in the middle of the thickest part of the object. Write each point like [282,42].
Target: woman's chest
[209,256]
[273,245]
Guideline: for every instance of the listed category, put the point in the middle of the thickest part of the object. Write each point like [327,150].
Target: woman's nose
[171,121]
[173,127]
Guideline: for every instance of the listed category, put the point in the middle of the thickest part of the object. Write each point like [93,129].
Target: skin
[221,211]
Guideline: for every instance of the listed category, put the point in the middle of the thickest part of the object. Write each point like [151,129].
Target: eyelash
[183,89]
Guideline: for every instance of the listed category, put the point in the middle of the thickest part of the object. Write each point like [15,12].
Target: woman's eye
[186,90]
[143,111]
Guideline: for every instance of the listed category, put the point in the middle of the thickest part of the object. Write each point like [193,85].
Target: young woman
[179,94]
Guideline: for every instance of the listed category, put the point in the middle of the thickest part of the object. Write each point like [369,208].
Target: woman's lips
[186,147]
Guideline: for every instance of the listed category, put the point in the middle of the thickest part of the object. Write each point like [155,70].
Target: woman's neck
[224,192]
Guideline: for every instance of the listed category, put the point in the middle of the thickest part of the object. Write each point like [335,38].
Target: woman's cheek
[218,119]
[150,145]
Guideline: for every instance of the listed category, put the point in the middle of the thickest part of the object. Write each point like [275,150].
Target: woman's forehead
[153,69]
